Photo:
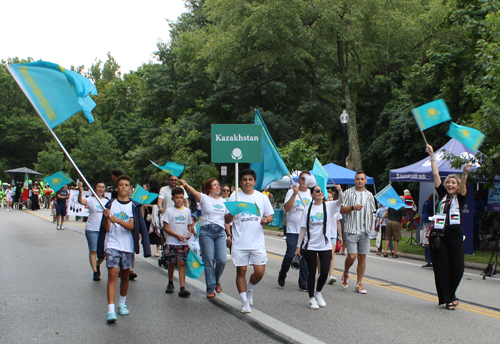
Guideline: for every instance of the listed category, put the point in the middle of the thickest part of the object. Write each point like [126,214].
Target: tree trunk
[353,159]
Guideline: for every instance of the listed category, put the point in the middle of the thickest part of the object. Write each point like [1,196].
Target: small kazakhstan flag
[171,167]
[58,180]
[431,114]
[239,207]
[321,176]
[469,137]
[195,265]
[389,198]
[142,196]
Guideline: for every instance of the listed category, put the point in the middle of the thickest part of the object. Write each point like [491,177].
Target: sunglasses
[303,178]
[225,190]
[317,191]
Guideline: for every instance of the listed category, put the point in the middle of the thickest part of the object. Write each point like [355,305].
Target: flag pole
[425,139]
[55,136]
[236,180]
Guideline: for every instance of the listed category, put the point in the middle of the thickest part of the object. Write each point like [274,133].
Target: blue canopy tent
[421,172]
[340,175]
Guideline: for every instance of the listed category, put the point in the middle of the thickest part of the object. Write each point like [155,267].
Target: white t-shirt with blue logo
[248,233]
[178,221]
[316,219]
[294,217]
[95,213]
[212,210]
[118,237]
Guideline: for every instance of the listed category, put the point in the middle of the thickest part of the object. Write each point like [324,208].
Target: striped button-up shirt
[358,222]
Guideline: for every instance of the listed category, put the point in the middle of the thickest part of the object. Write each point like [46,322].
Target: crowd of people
[116,227]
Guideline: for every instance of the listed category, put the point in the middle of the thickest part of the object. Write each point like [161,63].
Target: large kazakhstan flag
[56,93]
[272,166]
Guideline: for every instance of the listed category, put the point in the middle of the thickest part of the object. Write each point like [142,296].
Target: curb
[476,266]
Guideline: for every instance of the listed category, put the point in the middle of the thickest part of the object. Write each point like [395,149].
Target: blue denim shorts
[92,237]
[119,259]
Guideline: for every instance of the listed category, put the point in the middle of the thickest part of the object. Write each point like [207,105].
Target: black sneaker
[427,266]
[184,292]
[170,288]
[281,281]
[132,276]
[97,276]
[303,287]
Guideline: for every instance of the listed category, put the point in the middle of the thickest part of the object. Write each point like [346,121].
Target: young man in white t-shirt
[178,225]
[118,222]
[248,245]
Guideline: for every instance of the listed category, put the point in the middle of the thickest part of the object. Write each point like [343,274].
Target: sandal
[394,255]
[385,255]
[450,307]
[378,253]
[455,303]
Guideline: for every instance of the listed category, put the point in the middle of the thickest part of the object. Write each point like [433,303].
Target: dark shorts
[119,259]
[176,253]
[61,210]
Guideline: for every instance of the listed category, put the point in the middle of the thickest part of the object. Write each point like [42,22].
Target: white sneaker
[319,299]
[57,227]
[313,304]
[332,280]
[250,297]
[245,307]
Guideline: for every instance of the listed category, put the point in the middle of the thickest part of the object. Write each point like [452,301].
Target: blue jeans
[291,246]
[213,254]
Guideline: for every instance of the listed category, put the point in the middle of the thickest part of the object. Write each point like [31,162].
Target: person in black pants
[316,232]
[446,237]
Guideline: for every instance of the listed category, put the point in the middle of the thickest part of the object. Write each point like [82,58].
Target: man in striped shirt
[357,209]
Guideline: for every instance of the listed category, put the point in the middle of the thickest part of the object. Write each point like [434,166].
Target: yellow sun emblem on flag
[392,201]
[432,112]
[243,205]
[144,197]
[56,180]
[196,264]
[464,132]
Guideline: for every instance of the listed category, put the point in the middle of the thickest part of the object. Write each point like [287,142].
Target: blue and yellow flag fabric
[195,265]
[239,207]
[389,198]
[142,196]
[469,137]
[321,176]
[272,166]
[171,167]
[431,114]
[55,92]
[58,180]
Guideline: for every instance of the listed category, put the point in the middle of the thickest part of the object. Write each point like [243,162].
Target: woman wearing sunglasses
[225,192]
[314,231]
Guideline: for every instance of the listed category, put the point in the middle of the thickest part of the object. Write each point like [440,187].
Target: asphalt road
[48,296]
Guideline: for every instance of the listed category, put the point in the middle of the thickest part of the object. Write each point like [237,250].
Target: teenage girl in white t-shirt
[93,224]
[316,234]
[215,234]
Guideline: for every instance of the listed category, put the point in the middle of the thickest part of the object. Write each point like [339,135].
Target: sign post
[236,143]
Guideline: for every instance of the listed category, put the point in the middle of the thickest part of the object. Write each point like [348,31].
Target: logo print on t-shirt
[317,218]
[246,213]
[180,218]
[298,203]
[218,206]
[122,216]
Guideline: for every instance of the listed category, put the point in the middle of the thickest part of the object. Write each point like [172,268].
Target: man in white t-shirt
[165,196]
[248,245]
[295,200]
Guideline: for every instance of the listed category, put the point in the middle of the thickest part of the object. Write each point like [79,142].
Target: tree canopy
[300,63]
